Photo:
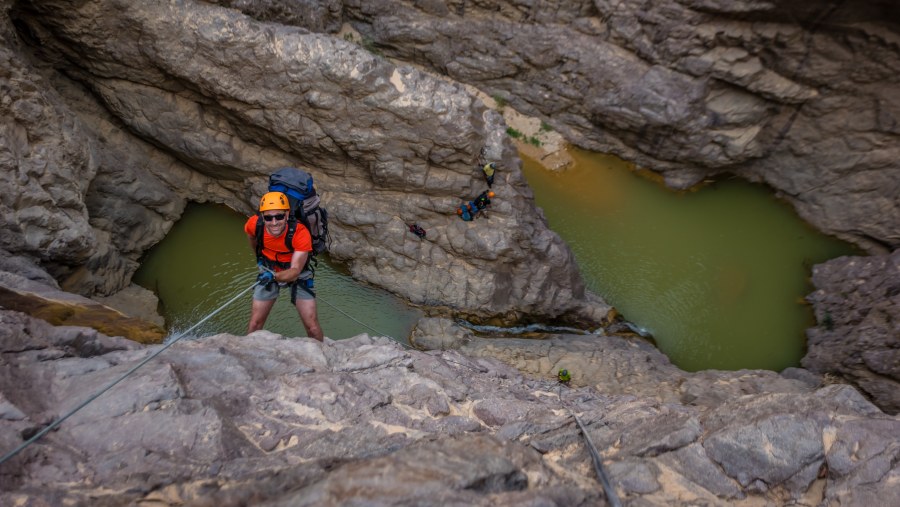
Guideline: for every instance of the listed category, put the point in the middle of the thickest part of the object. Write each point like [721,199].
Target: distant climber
[564,377]
[488,170]
[417,230]
[483,203]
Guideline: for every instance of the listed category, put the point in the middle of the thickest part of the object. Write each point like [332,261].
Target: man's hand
[265,278]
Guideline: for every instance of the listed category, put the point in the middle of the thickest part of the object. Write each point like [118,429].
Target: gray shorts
[270,291]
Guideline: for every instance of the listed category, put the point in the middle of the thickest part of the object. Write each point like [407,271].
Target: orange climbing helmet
[274,200]
[491,195]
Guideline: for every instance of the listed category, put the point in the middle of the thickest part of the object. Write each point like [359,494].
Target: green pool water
[717,275]
[206,260]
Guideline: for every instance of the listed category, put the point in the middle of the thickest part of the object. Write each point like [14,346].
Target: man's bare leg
[259,312]
[307,310]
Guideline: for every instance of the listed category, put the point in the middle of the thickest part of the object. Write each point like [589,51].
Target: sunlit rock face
[199,102]
[803,97]
[116,114]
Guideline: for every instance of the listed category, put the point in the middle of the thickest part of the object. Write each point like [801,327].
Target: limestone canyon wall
[116,114]
[191,102]
[803,97]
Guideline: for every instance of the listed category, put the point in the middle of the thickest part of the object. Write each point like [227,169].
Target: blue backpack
[298,186]
[464,212]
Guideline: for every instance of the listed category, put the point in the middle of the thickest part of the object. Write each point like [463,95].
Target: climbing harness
[93,397]
[267,264]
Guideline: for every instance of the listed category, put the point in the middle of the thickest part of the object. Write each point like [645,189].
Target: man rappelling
[282,255]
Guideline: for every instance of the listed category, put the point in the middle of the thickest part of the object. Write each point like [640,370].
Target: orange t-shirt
[274,247]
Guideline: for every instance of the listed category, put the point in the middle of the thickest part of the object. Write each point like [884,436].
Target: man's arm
[298,260]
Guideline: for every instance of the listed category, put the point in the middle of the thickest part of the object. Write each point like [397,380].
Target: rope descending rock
[96,395]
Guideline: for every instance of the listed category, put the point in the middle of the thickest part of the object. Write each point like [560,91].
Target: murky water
[206,260]
[717,276]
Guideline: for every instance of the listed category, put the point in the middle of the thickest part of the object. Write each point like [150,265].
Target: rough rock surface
[860,347]
[857,306]
[202,87]
[59,307]
[115,114]
[803,97]
[261,420]
[79,196]
[612,365]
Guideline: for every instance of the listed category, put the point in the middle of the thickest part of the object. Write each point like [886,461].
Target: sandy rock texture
[114,115]
[264,420]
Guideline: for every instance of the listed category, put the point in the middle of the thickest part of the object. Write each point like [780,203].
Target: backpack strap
[289,237]
[259,238]
[289,243]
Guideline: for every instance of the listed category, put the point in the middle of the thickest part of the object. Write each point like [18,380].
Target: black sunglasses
[279,217]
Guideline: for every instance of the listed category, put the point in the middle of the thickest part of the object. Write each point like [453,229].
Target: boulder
[857,307]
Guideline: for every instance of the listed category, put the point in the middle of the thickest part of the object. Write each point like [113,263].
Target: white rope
[96,395]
